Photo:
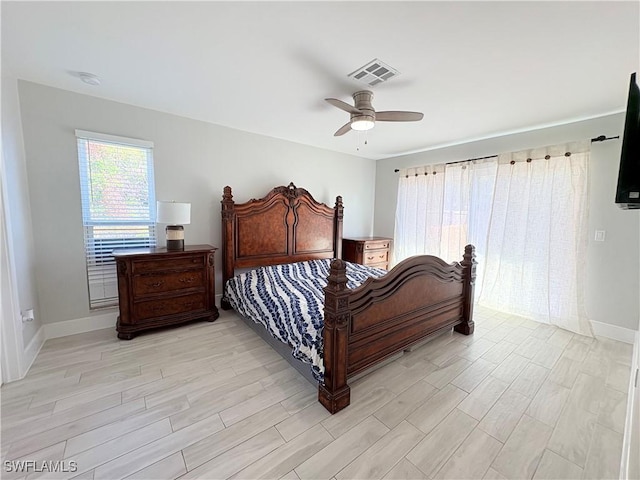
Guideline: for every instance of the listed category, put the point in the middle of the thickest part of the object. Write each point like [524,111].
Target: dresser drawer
[375,245]
[164,264]
[167,282]
[375,256]
[169,306]
[383,266]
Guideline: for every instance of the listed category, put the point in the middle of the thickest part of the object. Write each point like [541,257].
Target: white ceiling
[476,69]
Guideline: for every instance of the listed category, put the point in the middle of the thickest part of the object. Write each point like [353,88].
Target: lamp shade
[174,213]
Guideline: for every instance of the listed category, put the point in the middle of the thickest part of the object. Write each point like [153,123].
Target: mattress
[288,300]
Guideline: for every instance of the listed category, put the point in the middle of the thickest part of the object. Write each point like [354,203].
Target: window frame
[102,289]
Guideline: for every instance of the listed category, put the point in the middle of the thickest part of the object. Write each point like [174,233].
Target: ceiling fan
[363,116]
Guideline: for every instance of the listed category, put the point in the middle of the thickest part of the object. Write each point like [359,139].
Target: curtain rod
[462,161]
[601,138]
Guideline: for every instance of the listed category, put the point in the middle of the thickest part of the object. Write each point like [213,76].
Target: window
[118,206]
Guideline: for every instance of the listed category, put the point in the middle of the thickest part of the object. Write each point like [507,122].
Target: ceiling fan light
[362,125]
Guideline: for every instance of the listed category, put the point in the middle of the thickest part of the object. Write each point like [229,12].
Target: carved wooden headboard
[285,226]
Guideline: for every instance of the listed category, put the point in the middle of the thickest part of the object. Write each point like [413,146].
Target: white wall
[18,211]
[612,267]
[194,160]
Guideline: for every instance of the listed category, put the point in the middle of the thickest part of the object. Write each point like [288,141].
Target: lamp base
[175,244]
[175,237]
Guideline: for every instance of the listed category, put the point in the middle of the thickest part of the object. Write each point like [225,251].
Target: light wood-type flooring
[517,399]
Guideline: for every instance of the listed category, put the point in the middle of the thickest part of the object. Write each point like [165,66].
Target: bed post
[337,226]
[228,243]
[469,266]
[334,393]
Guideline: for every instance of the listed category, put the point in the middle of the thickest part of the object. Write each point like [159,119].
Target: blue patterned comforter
[288,301]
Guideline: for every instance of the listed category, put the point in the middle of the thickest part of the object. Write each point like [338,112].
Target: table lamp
[175,215]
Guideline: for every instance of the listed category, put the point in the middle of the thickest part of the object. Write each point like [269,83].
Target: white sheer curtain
[468,193]
[537,237]
[442,208]
[419,229]
[526,214]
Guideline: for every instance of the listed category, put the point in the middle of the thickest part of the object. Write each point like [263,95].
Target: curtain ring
[434,172]
[528,160]
[568,154]
[547,157]
[512,162]
[416,174]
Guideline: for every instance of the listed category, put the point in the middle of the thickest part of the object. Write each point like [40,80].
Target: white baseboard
[613,332]
[81,325]
[87,324]
[631,438]
[32,350]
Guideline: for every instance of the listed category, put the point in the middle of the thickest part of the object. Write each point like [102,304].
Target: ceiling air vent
[374,72]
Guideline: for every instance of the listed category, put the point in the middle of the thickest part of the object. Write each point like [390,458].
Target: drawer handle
[381,256]
[187,280]
[369,258]
[156,284]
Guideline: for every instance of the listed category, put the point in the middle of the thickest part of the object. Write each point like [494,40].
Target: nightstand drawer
[164,264]
[383,266]
[376,256]
[168,282]
[370,245]
[169,306]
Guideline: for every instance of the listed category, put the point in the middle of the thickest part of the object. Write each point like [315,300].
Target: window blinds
[118,206]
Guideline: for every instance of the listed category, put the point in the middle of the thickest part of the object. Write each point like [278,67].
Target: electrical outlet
[27,315]
[600,235]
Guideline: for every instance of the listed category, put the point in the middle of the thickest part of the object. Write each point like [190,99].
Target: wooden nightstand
[370,251]
[159,287]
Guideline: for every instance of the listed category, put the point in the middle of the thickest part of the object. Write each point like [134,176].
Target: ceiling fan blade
[343,129]
[392,116]
[342,105]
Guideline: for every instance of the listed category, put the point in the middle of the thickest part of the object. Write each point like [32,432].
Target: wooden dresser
[157,287]
[370,251]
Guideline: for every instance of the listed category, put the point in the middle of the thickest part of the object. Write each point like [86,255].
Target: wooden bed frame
[419,297]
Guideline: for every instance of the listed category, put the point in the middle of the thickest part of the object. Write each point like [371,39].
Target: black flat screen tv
[628,191]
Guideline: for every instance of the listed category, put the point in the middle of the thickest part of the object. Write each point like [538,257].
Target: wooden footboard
[419,297]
